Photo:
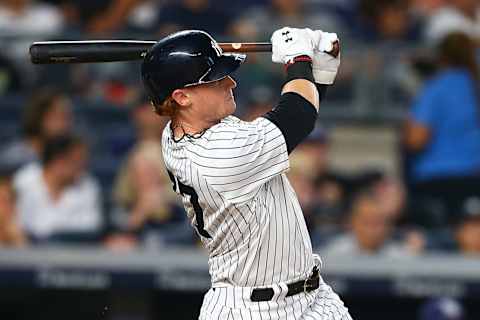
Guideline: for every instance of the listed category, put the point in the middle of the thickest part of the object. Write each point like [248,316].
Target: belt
[307,285]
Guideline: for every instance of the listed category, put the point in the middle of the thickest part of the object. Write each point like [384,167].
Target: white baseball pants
[233,303]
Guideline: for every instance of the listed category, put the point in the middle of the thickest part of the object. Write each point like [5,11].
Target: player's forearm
[304,88]
[300,80]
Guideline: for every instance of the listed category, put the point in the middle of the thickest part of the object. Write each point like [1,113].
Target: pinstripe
[238,174]
[233,292]
[235,247]
[249,239]
[235,166]
[221,314]
[218,228]
[269,309]
[207,307]
[260,312]
[212,311]
[257,252]
[268,254]
[226,296]
[293,308]
[251,175]
[275,242]
[284,242]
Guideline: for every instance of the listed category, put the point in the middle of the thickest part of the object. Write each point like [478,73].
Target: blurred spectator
[388,29]
[259,21]
[387,20]
[10,233]
[468,229]
[442,308]
[47,114]
[388,191]
[10,77]
[144,201]
[193,14]
[29,18]
[260,101]
[114,17]
[258,81]
[442,132]
[455,16]
[77,14]
[425,8]
[102,17]
[57,200]
[370,231]
[327,188]
[302,180]
[322,192]
[21,23]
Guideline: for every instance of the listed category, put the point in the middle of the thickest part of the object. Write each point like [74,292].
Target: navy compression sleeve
[295,116]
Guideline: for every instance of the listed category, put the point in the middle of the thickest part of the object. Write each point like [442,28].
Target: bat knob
[335,50]
[34,54]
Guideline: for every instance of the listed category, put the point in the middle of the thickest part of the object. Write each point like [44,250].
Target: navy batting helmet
[183,59]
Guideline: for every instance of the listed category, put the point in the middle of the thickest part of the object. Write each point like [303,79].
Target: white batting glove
[324,65]
[288,43]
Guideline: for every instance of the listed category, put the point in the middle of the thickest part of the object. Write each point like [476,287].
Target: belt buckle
[306,286]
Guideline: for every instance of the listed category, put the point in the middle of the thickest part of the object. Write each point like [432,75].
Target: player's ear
[181,97]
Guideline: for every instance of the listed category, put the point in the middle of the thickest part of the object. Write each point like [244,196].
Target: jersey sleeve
[236,159]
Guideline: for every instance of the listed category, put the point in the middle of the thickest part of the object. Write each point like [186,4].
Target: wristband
[300,68]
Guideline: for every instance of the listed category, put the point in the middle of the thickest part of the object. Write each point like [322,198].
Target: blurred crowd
[80,157]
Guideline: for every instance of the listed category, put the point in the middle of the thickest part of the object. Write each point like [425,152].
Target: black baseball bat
[49,52]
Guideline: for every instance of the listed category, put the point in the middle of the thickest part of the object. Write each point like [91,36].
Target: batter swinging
[231,173]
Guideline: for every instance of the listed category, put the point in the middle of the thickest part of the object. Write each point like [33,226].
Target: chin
[233,105]
[233,108]
[230,109]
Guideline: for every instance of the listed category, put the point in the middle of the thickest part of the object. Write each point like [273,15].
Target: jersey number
[186,190]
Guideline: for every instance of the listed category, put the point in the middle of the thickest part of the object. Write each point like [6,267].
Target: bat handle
[246,47]
[263,47]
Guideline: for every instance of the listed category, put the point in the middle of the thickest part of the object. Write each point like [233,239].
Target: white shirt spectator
[77,210]
[35,19]
[347,245]
[449,19]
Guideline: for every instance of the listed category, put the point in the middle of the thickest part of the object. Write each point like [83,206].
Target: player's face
[214,100]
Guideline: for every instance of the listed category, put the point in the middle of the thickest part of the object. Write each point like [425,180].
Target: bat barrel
[88,51]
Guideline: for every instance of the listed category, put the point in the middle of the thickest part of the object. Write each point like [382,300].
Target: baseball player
[231,173]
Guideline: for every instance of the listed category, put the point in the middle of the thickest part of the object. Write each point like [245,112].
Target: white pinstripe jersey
[236,194]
